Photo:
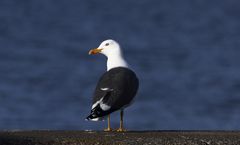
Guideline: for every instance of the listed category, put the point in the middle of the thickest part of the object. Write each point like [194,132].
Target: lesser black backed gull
[116,88]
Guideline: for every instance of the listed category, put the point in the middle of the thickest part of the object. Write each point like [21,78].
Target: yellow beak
[95,51]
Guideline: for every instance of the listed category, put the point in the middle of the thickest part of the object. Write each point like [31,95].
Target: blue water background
[186,54]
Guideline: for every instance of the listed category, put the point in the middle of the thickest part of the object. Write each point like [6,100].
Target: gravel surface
[116,138]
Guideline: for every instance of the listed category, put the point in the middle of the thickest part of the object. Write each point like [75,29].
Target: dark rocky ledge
[116,138]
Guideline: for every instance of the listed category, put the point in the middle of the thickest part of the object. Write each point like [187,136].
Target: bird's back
[119,86]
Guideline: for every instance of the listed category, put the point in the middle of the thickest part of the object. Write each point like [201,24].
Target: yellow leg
[121,128]
[109,127]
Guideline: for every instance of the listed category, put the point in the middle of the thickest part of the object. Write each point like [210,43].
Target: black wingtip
[90,117]
[96,114]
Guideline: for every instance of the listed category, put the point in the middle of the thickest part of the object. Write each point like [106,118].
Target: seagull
[116,88]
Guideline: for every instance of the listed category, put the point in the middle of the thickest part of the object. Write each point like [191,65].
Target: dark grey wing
[115,89]
[125,85]
[101,95]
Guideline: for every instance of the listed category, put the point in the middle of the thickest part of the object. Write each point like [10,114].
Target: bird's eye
[106,44]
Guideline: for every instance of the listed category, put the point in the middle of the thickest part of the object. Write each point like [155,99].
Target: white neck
[116,60]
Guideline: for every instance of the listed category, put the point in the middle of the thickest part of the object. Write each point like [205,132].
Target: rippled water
[186,54]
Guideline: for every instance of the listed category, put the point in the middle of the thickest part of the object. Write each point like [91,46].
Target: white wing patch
[103,106]
[106,89]
[95,119]
[96,103]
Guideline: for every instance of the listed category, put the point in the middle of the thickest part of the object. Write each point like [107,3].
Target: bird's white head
[108,48]
[112,50]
